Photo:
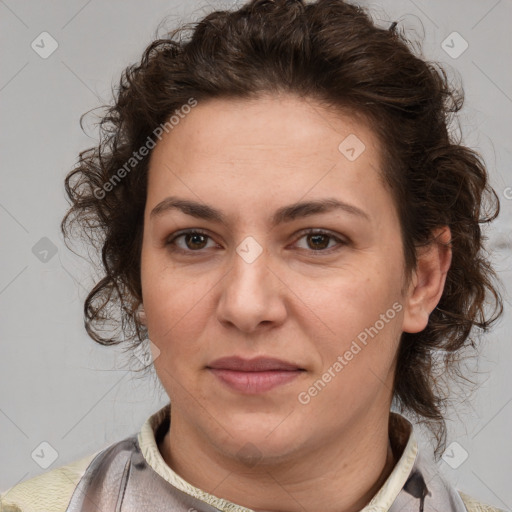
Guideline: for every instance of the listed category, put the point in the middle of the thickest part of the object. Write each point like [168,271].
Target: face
[238,274]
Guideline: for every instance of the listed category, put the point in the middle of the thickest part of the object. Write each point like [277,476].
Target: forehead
[270,149]
[285,126]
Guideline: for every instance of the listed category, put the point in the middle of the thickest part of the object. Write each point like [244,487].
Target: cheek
[359,313]
[350,297]
[170,301]
[357,369]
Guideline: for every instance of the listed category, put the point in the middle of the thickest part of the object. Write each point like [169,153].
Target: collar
[402,440]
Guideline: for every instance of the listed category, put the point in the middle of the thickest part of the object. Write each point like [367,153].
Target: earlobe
[427,284]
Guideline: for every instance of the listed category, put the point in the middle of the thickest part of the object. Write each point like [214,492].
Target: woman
[284,215]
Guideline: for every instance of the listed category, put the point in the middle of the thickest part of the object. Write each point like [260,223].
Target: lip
[258,364]
[253,376]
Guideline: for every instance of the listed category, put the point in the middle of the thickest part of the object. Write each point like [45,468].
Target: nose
[252,295]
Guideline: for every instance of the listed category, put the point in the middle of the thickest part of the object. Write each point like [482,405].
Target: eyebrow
[282,215]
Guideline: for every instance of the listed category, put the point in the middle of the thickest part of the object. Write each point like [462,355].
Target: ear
[427,283]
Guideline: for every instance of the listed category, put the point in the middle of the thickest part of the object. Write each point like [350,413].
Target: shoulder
[50,491]
[473,505]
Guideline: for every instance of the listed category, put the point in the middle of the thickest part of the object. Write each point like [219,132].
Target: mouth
[253,376]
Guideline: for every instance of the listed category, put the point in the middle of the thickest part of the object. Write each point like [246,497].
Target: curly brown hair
[333,52]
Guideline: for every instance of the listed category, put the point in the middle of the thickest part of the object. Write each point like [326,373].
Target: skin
[249,158]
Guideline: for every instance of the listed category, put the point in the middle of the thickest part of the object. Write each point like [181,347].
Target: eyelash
[320,252]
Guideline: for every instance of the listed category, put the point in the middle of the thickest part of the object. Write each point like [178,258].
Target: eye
[318,240]
[193,240]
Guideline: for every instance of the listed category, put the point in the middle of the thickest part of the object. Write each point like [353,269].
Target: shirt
[131,474]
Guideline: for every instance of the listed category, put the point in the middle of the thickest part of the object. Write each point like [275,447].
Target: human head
[333,54]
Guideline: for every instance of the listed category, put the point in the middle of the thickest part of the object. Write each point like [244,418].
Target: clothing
[131,475]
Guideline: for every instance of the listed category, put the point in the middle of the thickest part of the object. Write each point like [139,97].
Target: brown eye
[190,241]
[318,241]
[195,240]
[321,241]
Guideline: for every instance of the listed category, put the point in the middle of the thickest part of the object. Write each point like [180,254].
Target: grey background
[57,385]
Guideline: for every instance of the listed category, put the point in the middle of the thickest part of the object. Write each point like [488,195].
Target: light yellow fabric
[48,492]
[475,506]
[51,491]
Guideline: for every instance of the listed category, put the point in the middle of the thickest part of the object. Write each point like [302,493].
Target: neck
[337,477]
